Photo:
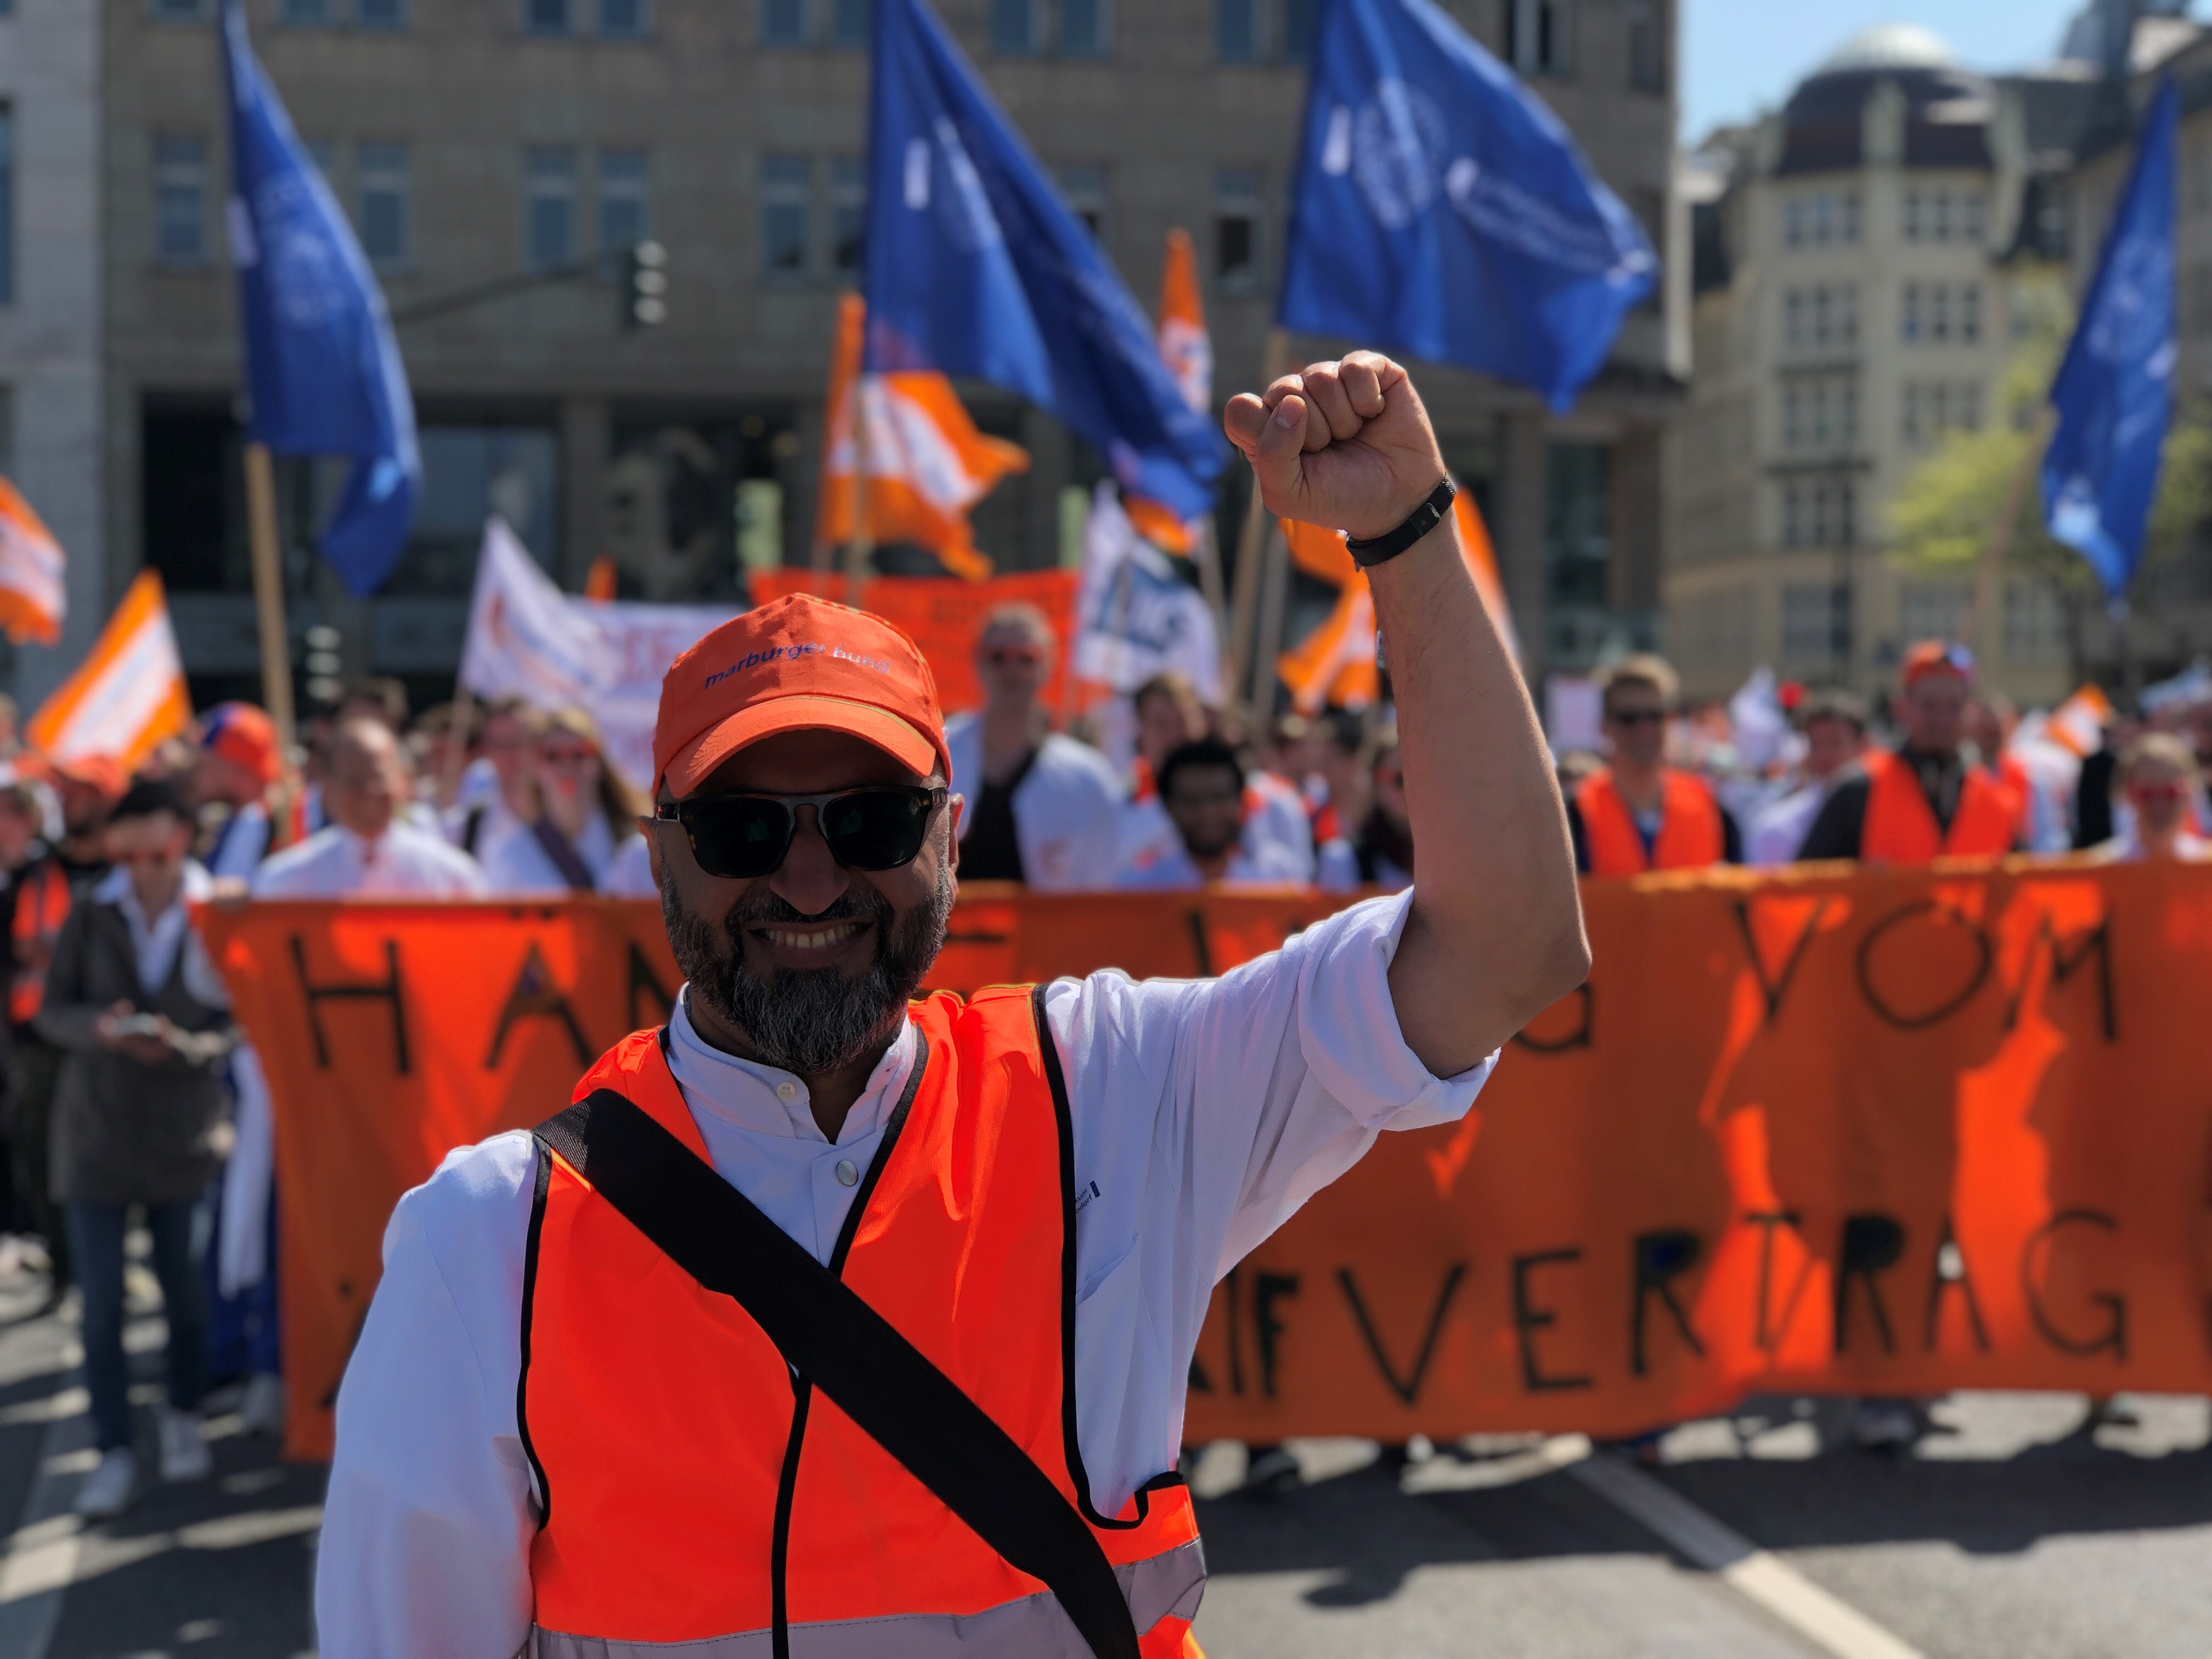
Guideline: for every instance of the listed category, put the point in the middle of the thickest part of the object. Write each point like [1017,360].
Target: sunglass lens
[739,837]
[876,828]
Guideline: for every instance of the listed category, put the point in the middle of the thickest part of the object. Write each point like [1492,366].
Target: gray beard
[812,1020]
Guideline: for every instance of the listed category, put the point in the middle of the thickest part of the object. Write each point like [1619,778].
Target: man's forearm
[1496,935]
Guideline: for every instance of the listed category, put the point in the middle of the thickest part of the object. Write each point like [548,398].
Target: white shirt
[2127,847]
[1170,869]
[1204,1113]
[1776,832]
[1277,836]
[157,943]
[403,862]
[1064,810]
[515,863]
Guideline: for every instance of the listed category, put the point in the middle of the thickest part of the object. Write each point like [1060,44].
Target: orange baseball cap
[238,732]
[1937,656]
[800,664]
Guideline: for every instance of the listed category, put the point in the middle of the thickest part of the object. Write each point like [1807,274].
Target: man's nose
[811,879]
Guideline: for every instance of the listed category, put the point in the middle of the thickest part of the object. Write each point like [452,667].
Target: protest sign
[1885,1134]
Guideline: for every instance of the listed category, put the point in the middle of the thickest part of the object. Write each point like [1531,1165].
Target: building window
[1539,36]
[1975,210]
[1792,511]
[1848,212]
[783,22]
[1847,313]
[1793,318]
[548,16]
[1082,28]
[1909,422]
[1236,232]
[1793,224]
[625,199]
[1940,216]
[1970,313]
[852,23]
[1577,525]
[1847,416]
[1824,219]
[1300,20]
[786,183]
[1014,26]
[1911,215]
[180,198]
[549,209]
[1647,62]
[848,215]
[1237,31]
[379,14]
[623,20]
[1084,188]
[305,13]
[1820,322]
[7,205]
[1939,312]
[1813,618]
[1932,611]
[178,11]
[1908,314]
[2035,624]
[1791,401]
[381,198]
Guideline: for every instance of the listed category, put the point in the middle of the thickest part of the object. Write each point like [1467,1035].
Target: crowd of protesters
[129,1089]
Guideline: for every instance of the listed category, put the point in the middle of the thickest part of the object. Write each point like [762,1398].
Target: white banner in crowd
[1137,618]
[527,639]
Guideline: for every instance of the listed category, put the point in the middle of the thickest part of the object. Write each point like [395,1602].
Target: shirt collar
[114,888]
[752,1097]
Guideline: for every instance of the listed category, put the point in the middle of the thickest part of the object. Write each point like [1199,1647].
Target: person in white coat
[585,820]
[1835,727]
[369,849]
[1043,808]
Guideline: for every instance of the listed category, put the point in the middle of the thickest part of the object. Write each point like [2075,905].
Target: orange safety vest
[1689,831]
[41,909]
[1900,826]
[677,1480]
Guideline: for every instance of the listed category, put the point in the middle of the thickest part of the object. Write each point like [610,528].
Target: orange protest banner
[944,615]
[1885,1133]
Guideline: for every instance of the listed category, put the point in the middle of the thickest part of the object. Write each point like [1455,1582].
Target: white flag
[1137,618]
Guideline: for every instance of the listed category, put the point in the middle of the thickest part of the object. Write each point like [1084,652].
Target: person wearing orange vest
[1639,813]
[828,1321]
[1922,801]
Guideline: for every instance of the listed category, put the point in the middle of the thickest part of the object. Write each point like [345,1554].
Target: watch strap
[1421,521]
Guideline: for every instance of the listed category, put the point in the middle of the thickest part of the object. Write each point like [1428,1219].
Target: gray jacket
[123,1131]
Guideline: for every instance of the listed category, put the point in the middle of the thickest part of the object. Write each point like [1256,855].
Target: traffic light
[645,286]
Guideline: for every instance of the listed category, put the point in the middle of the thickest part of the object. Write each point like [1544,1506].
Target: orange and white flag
[128,695]
[925,463]
[2078,724]
[1187,350]
[33,598]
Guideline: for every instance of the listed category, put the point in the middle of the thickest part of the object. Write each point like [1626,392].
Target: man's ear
[954,805]
[652,853]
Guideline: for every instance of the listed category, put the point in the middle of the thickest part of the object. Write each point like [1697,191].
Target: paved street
[2013,1533]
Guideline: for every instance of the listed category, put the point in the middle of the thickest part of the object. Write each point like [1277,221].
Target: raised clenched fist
[1345,444]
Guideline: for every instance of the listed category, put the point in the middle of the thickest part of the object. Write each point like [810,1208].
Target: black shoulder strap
[835,1339]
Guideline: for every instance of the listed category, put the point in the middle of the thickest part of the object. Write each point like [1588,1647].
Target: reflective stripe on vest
[1690,833]
[680,1468]
[41,909]
[1900,826]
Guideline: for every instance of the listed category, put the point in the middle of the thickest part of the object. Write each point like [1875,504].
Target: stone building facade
[472,139]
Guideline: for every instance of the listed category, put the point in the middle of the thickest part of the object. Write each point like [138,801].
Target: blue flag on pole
[323,371]
[2114,393]
[1443,212]
[976,266]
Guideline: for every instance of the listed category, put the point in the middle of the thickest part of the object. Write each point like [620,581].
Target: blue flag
[976,266]
[323,371]
[1443,212]
[2114,393]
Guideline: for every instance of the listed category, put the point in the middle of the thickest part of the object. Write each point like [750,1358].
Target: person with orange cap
[233,782]
[825,1320]
[1922,801]
[1637,813]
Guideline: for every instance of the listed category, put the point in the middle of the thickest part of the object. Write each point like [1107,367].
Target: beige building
[472,139]
[1864,257]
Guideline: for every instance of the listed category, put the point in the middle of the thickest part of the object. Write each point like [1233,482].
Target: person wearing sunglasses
[1040,806]
[2158,789]
[1637,813]
[133,1002]
[1924,800]
[586,821]
[554,1435]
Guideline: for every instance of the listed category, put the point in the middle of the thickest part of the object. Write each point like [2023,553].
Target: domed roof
[1890,45]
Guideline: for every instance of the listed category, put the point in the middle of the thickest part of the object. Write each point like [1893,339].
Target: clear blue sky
[1740,55]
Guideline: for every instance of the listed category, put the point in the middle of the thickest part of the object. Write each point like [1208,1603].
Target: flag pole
[1274,361]
[269,592]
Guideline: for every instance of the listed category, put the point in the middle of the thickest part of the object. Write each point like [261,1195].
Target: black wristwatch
[1423,518]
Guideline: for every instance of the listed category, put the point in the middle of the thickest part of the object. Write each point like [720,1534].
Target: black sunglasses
[739,837]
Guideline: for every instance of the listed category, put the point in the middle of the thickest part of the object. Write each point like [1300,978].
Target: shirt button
[848,1172]
[784,1090]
